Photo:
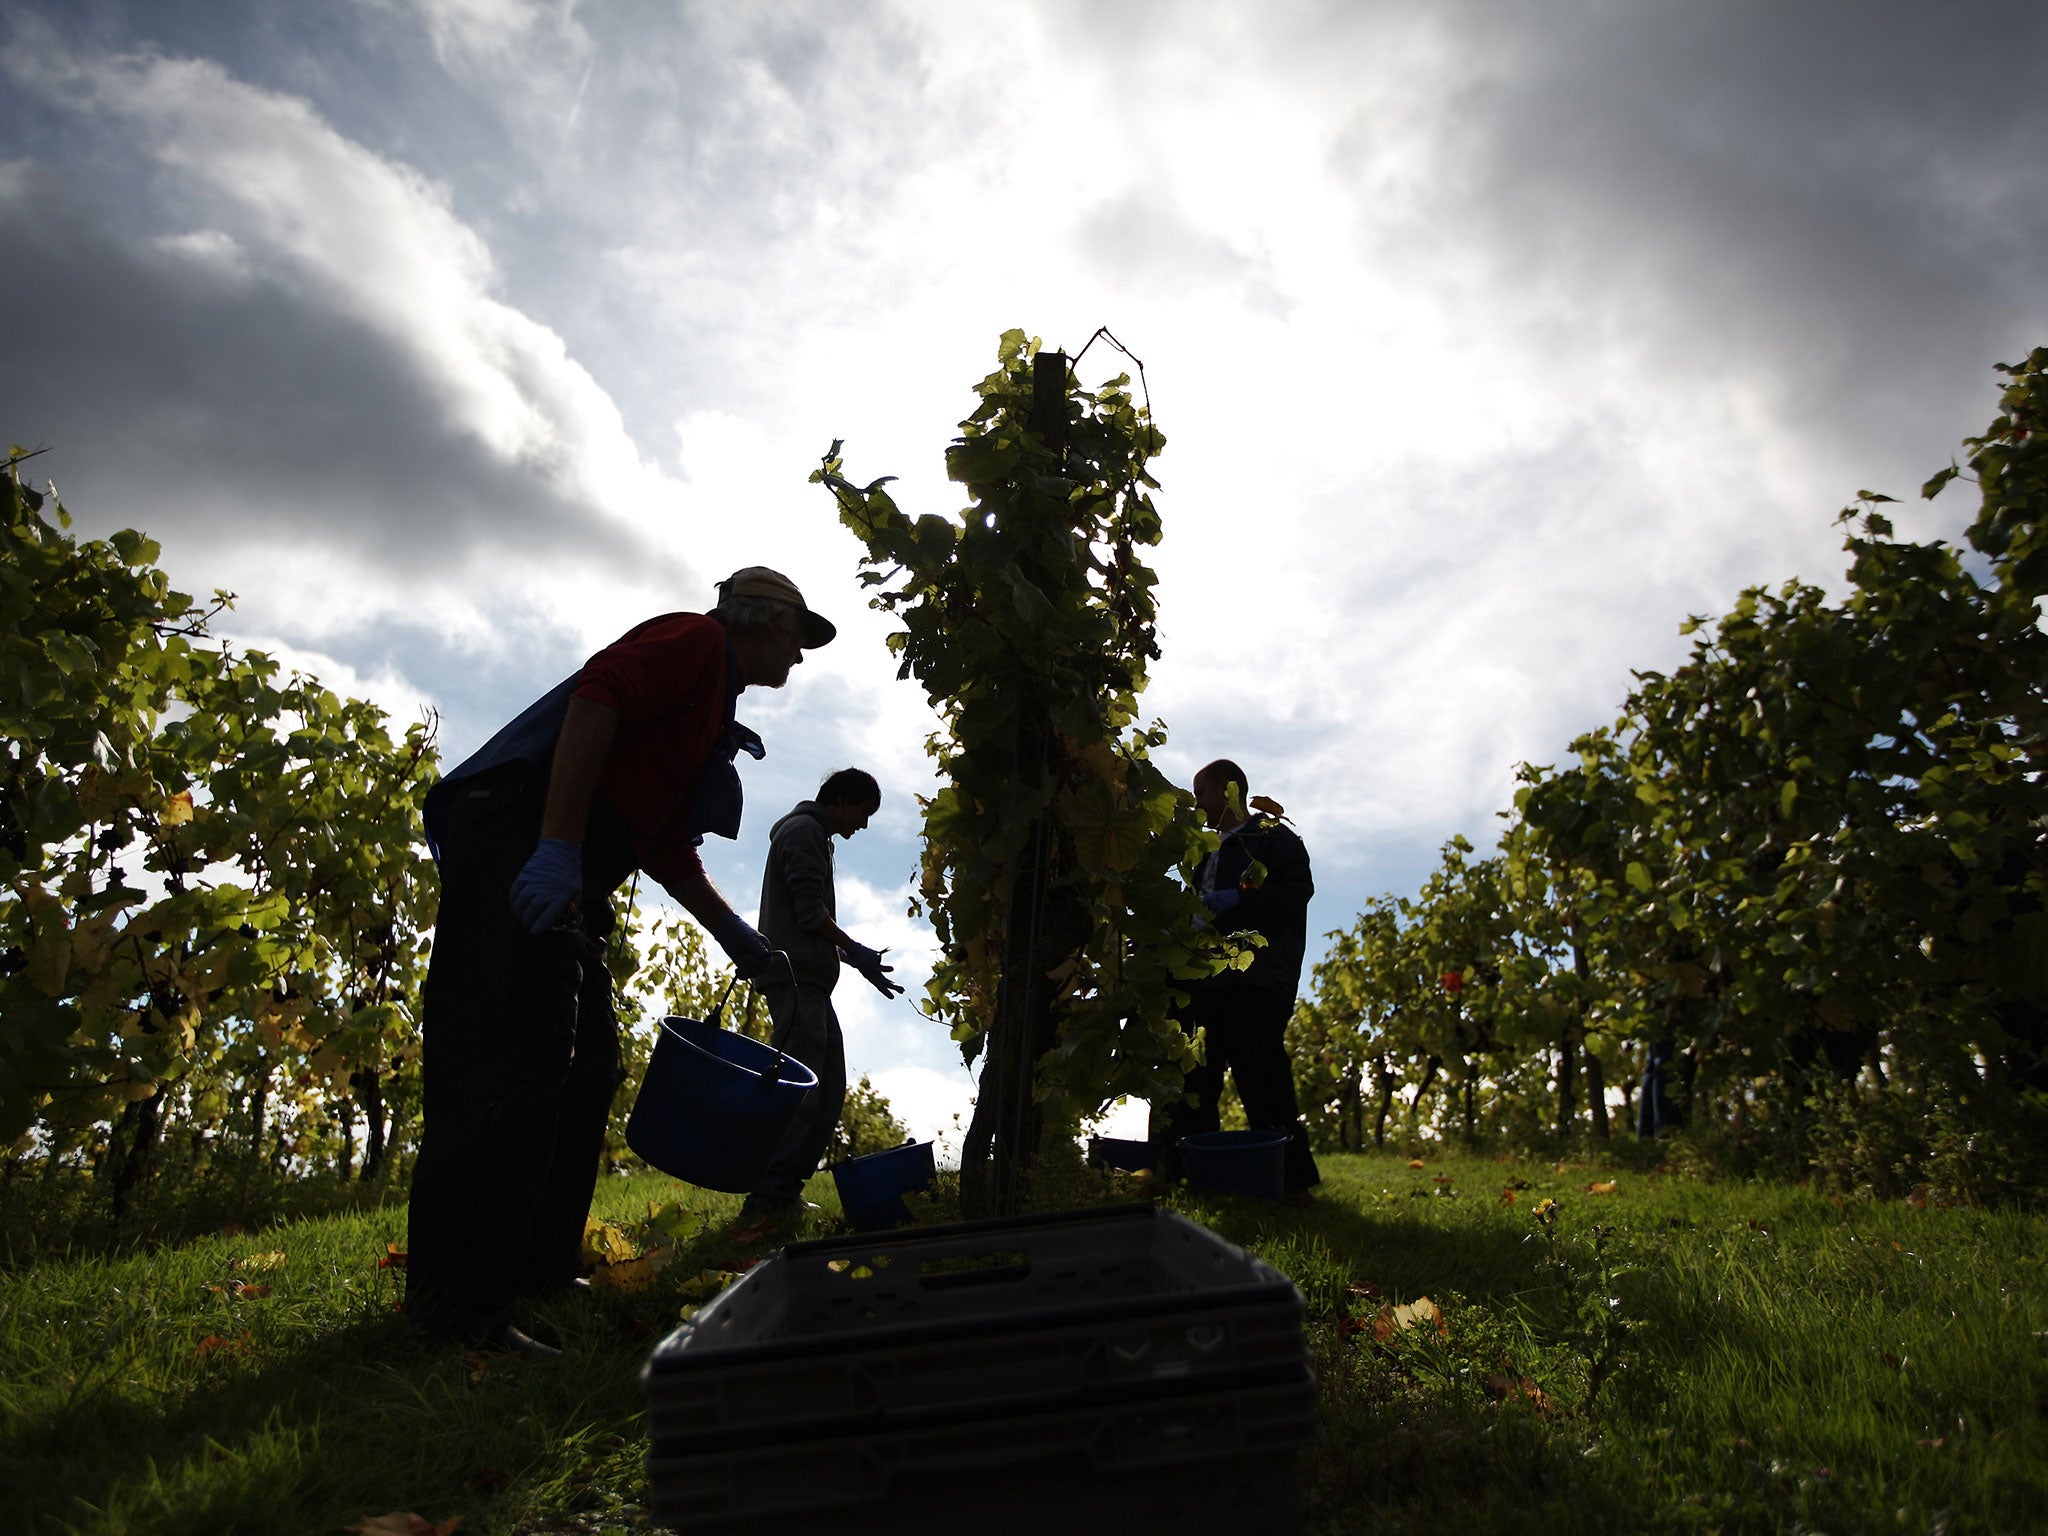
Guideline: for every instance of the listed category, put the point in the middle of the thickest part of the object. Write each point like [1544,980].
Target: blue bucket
[1237,1162]
[713,1105]
[1121,1154]
[871,1188]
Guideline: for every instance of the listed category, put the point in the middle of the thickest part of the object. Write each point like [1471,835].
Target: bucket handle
[766,1080]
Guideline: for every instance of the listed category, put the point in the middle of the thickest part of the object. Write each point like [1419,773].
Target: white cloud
[933,1106]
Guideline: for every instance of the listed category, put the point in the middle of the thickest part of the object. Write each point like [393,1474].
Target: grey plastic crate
[857,1334]
[1220,1460]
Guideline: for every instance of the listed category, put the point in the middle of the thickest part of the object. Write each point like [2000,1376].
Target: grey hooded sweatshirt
[797,906]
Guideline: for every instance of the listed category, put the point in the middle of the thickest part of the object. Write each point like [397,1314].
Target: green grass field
[1732,1357]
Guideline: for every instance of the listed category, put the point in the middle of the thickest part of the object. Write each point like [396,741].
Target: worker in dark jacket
[625,765]
[1257,881]
[799,916]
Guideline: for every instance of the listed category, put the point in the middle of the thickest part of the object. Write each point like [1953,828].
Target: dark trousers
[807,1029]
[1247,1036]
[521,1062]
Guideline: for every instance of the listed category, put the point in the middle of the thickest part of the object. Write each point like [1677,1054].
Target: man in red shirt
[625,765]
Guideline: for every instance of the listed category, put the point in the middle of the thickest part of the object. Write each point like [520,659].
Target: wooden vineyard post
[1023,1030]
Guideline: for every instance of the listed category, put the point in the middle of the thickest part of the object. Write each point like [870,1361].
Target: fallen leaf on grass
[262,1261]
[239,1290]
[1507,1197]
[402,1523]
[1416,1162]
[1364,1288]
[604,1243]
[1918,1199]
[630,1274]
[477,1364]
[1512,1389]
[1601,1189]
[1419,1313]
[674,1221]
[393,1257]
[215,1344]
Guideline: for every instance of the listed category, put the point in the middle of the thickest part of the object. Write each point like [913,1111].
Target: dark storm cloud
[198,401]
[1844,198]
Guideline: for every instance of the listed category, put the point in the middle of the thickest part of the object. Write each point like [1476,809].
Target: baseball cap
[760,581]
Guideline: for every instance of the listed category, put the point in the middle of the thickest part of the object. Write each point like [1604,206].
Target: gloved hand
[549,884]
[869,963]
[1221,901]
[746,949]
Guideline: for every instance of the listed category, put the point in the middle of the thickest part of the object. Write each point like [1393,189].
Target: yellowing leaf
[1419,1313]
[49,963]
[604,1243]
[176,809]
[1269,806]
[1107,834]
[262,1261]
[631,1274]
[1601,1189]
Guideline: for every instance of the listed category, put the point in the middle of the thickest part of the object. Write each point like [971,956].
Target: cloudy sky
[1490,340]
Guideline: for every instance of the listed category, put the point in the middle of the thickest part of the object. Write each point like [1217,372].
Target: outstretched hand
[869,963]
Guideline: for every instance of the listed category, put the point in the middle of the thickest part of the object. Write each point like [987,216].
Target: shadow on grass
[70,1216]
[352,1419]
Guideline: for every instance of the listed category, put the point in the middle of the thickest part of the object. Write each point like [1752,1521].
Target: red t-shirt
[666,681]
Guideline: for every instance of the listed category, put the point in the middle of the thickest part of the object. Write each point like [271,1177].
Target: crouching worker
[799,916]
[625,765]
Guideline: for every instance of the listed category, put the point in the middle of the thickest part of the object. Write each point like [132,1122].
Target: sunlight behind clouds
[460,335]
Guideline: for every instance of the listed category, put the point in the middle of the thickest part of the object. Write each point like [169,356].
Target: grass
[1732,1357]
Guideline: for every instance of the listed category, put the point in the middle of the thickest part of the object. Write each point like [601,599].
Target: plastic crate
[1219,1460]
[858,1334]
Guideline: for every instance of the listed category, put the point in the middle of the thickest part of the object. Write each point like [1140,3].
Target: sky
[1489,341]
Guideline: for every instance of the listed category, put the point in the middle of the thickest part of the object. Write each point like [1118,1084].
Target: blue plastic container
[871,1188]
[1122,1154]
[713,1105]
[1237,1162]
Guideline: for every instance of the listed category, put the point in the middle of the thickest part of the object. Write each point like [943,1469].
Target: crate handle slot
[985,1267]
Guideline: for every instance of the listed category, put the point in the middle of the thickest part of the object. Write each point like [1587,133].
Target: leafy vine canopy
[1029,620]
